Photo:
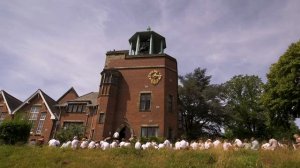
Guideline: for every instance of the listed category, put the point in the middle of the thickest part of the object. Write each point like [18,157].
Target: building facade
[8,104]
[138,90]
[79,110]
[40,110]
[137,97]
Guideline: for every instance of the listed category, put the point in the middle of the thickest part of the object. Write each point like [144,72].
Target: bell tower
[147,43]
[138,90]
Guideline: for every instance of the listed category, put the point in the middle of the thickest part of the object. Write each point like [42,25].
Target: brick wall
[48,123]
[134,81]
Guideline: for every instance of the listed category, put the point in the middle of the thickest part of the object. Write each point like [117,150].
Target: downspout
[92,124]
[57,123]
[86,122]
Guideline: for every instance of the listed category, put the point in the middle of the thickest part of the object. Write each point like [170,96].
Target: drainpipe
[92,124]
[86,121]
[56,123]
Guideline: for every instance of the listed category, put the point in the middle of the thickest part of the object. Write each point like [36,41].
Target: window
[33,114]
[107,78]
[149,132]
[76,108]
[101,118]
[170,133]
[93,111]
[2,116]
[180,120]
[79,108]
[70,108]
[170,104]
[69,123]
[145,102]
[41,123]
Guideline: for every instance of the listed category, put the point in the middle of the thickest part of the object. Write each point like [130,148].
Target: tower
[147,43]
[138,90]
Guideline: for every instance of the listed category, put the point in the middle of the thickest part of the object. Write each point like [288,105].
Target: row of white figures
[272,145]
[179,145]
[237,144]
[148,145]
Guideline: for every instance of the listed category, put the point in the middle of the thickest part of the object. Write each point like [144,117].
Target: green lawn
[25,156]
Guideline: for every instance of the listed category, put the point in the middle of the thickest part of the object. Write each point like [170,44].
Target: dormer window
[76,108]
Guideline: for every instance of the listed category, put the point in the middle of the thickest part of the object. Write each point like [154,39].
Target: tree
[16,131]
[200,105]
[67,133]
[242,102]
[282,90]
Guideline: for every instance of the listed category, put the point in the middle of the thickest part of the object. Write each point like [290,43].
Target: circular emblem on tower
[154,77]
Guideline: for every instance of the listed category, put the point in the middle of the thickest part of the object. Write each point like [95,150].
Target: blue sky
[56,44]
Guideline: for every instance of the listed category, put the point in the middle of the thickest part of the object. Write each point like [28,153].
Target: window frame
[145,102]
[68,123]
[76,108]
[41,122]
[148,131]
[101,118]
[33,114]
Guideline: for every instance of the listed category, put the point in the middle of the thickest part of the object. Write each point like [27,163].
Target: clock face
[154,77]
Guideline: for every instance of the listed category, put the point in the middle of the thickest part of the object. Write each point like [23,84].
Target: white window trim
[34,113]
[41,123]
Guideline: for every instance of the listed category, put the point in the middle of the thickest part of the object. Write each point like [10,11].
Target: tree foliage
[242,98]
[282,90]
[200,105]
[67,133]
[15,131]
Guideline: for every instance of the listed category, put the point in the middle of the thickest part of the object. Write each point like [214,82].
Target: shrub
[66,134]
[15,131]
[150,139]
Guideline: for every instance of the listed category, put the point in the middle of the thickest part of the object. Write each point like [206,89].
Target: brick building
[138,90]
[78,110]
[8,104]
[137,97]
[40,110]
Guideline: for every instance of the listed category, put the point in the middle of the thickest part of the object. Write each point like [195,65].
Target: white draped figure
[54,143]
[194,145]
[208,144]
[138,145]
[226,145]
[116,135]
[75,143]
[217,143]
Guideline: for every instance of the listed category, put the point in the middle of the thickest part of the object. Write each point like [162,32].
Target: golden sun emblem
[154,77]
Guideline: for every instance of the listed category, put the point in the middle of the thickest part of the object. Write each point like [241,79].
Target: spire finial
[149,28]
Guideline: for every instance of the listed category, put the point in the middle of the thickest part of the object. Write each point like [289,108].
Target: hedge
[15,131]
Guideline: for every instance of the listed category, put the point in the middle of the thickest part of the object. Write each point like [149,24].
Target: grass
[25,156]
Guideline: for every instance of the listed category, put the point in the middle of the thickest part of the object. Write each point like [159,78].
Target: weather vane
[149,29]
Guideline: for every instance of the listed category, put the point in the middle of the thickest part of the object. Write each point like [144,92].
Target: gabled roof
[49,102]
[11,102]
[70,90]
[89,97]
